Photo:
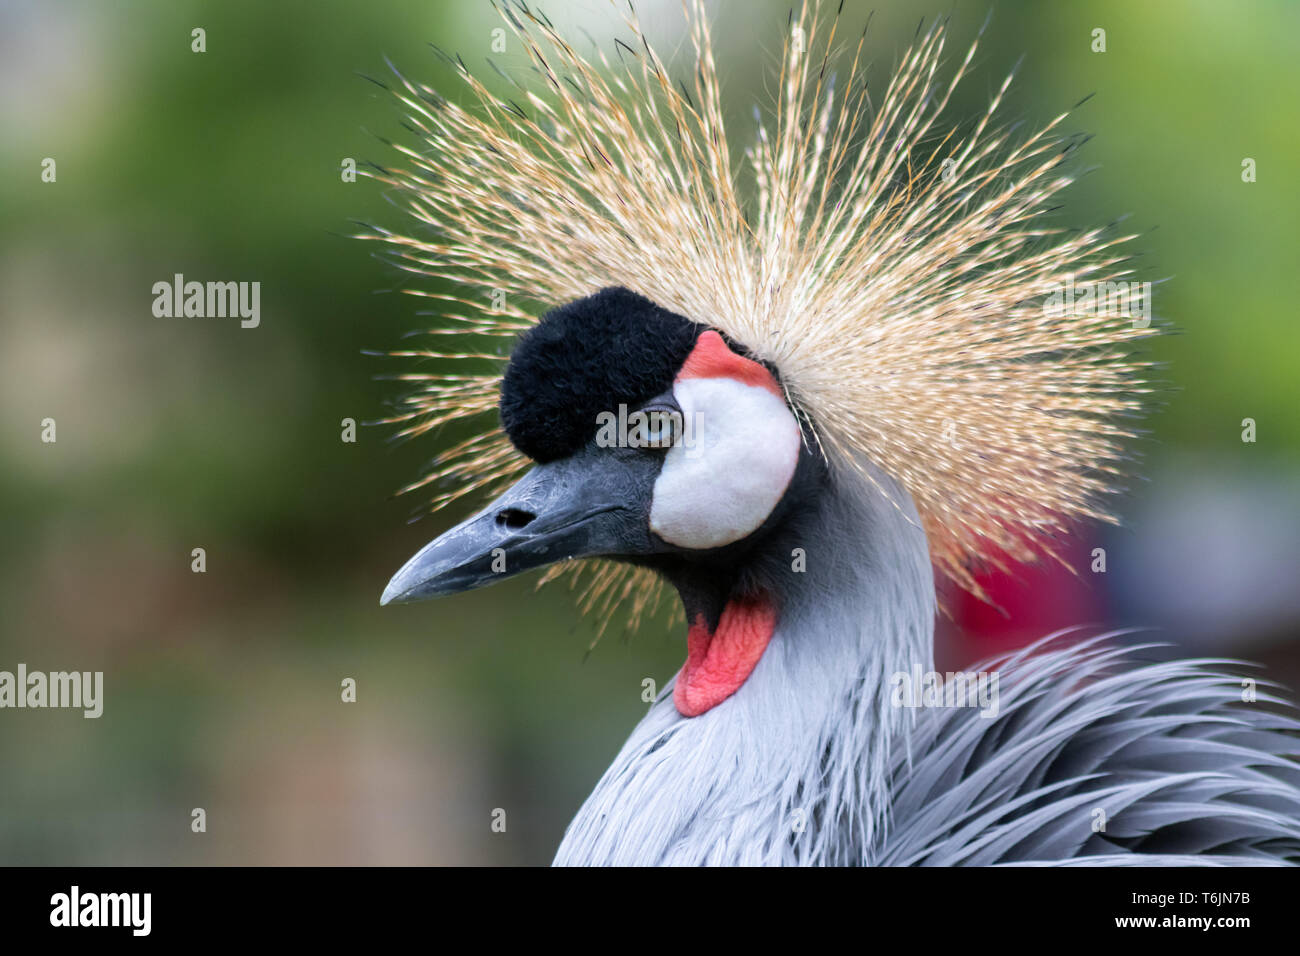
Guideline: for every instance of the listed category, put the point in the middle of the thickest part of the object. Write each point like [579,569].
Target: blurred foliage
[222,689]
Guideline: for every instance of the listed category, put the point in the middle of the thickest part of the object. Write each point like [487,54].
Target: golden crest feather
[894,269]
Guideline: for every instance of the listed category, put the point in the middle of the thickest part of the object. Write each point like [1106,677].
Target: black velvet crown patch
[587,357]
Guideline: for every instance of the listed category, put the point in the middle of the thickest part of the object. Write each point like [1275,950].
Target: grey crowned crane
[791,389]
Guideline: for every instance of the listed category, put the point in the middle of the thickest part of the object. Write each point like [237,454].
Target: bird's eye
[655,428]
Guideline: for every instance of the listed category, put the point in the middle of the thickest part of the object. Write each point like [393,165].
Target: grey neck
[793,768]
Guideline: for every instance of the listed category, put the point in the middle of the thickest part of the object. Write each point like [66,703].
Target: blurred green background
[222,688]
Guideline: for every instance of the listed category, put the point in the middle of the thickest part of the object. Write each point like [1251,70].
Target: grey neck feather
[793,768]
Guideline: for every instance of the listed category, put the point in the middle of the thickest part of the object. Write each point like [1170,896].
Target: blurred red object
[1025,603]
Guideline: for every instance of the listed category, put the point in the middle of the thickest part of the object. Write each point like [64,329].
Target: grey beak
[587,505]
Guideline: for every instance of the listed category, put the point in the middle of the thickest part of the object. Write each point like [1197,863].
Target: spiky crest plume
[900,295]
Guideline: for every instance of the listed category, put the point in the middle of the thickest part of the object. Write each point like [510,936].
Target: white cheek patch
[733,464]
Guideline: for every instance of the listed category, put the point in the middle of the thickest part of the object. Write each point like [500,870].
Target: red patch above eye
[711,358]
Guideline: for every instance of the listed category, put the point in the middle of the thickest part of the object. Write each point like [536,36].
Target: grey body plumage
[1093,757]
[1096,759]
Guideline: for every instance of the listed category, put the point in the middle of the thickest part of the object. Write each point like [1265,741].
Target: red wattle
[718,663]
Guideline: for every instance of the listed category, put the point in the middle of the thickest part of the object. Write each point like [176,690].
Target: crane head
[657,442]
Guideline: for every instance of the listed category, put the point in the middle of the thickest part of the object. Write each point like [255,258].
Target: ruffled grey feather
[1095,759]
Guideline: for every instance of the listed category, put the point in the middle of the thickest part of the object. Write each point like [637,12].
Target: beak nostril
[514,518]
